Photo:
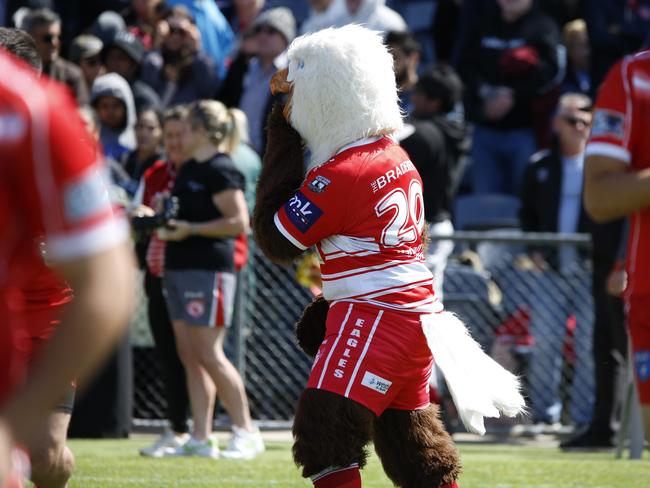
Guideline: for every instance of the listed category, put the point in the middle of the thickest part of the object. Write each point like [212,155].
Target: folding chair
[486,211]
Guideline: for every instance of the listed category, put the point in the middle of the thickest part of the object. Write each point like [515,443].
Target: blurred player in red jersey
[617,183]
[54,206]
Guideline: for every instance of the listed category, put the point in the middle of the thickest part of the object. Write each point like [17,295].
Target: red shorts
[376,357]
[638,322]
[25,336]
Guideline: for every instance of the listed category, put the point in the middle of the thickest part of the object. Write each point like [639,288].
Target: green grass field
[116,464]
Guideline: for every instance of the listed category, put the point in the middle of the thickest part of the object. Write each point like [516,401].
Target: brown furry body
[282,173]
[331,430]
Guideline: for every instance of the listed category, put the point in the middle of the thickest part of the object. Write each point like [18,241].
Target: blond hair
[573,30]
[225,127]
[579,100]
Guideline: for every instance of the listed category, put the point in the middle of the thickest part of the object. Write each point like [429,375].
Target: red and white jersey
[620,131]
[363,209]
[50,187]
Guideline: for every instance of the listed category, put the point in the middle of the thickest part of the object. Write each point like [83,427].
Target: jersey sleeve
[224,176]
[317,210]
[77,216]
[611,129]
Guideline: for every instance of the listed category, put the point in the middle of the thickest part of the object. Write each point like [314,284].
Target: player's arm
[611,190]
[282,174]
[103,287]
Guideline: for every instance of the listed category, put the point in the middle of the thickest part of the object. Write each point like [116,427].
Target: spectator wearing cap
[85,52]
[107,25]
[217,38]
[180,72]
[274,30]
[44,26]
[125,56]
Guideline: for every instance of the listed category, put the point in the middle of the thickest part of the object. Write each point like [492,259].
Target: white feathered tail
[479,386]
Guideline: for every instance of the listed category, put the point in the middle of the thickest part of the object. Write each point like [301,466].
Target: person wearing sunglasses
[44,26]
[551,202]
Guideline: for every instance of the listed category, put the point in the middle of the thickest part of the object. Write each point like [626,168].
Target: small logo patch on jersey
[642,365]
[319,184]
[608,124]
[85,198]
[195,308]
[377,383]
[302,212]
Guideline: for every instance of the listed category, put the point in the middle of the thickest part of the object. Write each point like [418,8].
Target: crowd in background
[485,85]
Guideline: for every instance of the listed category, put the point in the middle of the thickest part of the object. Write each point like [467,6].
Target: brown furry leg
[330,430]
[310,328]
[415,449]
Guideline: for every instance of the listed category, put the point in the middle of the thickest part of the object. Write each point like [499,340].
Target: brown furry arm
[282,173]
[311,326]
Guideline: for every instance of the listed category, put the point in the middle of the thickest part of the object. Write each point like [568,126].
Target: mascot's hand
[281,135]
[310,328]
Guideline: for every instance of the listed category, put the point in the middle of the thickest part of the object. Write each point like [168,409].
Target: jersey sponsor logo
[85,198]
[195,308]
[319,184]
[375,382]
[608,124]
[12,127]
[391,175]
[642,365]
[302,212]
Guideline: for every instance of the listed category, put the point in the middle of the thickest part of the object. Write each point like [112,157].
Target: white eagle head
[343,89]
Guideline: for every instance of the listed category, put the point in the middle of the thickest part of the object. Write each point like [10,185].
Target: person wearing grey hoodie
[111,96]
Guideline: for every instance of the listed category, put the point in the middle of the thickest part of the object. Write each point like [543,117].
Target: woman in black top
[199,278]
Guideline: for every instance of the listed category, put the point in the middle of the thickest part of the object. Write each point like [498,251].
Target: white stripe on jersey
[340,246]
[333,348]
[609,150]
[429,305]
[381,282]
[286,233]
[86,242]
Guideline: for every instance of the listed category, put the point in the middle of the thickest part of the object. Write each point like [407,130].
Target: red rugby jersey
[363,209]
[620,131]
[50,185]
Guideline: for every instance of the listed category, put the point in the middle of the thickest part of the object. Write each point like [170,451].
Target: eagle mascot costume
[334,178]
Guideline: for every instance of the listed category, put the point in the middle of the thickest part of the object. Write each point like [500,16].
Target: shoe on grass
[166,444]
[244,444]
[193,447]
[589,440]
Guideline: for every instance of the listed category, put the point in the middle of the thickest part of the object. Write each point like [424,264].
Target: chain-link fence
[525,297]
